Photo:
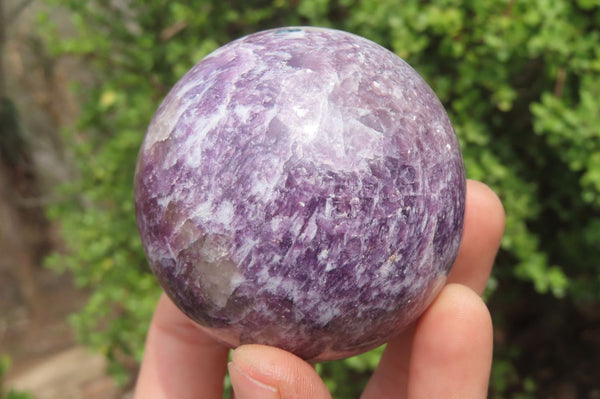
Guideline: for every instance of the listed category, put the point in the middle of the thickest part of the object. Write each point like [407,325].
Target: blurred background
[80,81]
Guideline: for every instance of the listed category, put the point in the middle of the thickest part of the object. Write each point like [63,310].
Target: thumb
[264,372]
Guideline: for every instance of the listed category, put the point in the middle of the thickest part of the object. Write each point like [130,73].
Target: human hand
[447,353]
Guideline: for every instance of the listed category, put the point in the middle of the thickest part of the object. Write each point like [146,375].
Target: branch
[2,40]
[560,82]
[12,16]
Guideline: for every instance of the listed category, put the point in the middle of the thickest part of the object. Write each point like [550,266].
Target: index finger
[484,226]
[180,360]
[483,230]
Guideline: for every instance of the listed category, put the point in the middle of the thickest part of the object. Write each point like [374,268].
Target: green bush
[11,393]
[520,80]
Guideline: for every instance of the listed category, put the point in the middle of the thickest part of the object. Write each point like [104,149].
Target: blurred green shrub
[520,80]
[11,393]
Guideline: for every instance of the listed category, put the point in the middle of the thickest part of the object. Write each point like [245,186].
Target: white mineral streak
[194,143]
[243,112]
[166,117]
[224,213]
[203,211]
[262,186]
[326,314]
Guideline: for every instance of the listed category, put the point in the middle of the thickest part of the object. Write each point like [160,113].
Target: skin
[447,353]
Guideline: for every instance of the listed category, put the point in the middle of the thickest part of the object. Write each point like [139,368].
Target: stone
[302,188]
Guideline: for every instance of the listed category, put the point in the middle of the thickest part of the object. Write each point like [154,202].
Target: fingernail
[246,387]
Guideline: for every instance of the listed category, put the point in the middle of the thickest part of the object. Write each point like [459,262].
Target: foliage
[11,393]
[519,78]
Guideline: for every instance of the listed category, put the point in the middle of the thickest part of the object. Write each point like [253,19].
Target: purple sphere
[301,188]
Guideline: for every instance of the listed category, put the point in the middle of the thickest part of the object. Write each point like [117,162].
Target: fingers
[452,348]
[259,371]
[180,361]
[449,356]
[390,379]
[483,229]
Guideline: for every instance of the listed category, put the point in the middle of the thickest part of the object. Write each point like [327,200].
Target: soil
[46,360]
[35,302]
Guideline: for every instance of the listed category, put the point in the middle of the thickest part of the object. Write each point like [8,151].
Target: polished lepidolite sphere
[301,188]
